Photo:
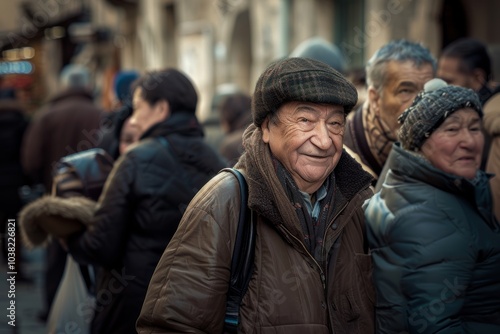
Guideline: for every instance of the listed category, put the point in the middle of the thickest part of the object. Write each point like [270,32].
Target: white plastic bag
[73,307]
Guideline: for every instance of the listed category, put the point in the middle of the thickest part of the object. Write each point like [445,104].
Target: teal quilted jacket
[436,250]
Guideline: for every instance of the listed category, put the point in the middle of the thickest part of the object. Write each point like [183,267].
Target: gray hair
[401,51]
[75,76]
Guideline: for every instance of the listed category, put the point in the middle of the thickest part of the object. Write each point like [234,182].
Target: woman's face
[128,135]
[457,145]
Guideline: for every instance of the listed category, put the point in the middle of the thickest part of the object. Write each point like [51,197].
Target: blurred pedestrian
[236,115]
[434,239]
[113,123]
[129,135]
[311,268]
[214,134]
[13,124]
[77,183]
[394,74]
[144,198]
[467,63]
[321,50]
[80,174]
[68,123]
[122,87]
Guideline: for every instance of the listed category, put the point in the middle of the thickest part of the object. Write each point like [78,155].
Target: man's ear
[374,100]
[265,130]
[163,109]
[479,78]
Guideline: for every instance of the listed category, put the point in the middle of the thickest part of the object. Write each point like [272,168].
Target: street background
[216,42]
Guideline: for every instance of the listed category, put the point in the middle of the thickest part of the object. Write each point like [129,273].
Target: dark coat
[436,250]
[289,292]
[12,127]
[231,147]
[69,123]
[138,212]
[112,125]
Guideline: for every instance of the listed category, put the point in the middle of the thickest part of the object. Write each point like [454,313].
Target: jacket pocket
[358,302]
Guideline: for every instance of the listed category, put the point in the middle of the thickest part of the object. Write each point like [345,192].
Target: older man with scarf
[311,271]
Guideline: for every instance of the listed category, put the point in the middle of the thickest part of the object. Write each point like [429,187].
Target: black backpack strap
[243,257]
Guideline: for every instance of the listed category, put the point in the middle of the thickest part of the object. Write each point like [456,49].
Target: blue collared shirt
[320,195]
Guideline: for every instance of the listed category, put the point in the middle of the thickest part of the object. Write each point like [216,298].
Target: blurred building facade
[223,41]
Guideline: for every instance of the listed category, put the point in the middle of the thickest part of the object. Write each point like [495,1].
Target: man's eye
[451,129]
[303,120]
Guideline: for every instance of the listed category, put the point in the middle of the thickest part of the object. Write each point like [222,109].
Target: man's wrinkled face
[307,139]
[403,81]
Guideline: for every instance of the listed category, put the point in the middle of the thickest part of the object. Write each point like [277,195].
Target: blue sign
[15,67]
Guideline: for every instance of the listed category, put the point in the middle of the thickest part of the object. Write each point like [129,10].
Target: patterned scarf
[378,134]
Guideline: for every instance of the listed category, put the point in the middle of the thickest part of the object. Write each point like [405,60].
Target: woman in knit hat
[434,239]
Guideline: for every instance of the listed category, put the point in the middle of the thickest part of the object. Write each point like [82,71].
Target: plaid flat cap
[429,110]
[303,80]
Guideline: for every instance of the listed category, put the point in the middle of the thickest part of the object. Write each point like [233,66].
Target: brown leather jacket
[289,291]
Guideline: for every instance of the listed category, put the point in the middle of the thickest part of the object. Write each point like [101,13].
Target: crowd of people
[376,207]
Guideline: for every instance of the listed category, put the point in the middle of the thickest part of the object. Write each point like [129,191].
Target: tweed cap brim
[429,110]
[302,80]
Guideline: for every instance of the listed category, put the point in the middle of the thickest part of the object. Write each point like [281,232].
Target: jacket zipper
[322,274]
[321,271]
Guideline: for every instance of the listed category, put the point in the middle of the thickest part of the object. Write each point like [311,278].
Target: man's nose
[321,136]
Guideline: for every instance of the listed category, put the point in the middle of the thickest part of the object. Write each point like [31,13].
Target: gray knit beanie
[430,108]
[300,79]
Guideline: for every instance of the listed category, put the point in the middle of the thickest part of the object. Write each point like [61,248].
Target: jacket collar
[477,192]
[72,93]
[178,122]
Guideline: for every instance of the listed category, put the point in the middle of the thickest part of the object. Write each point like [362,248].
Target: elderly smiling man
[311,271]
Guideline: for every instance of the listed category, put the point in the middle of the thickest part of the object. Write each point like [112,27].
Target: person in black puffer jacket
[144,197]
